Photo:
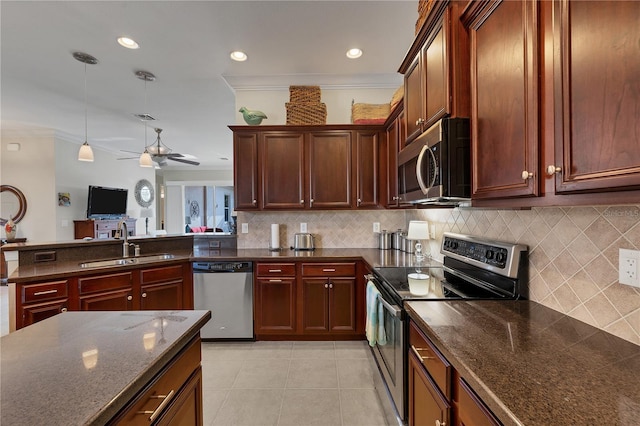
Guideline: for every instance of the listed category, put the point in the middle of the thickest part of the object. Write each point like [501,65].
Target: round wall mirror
[13,204]
[144,193]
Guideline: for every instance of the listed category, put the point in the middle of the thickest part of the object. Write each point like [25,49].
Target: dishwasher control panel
[222,266]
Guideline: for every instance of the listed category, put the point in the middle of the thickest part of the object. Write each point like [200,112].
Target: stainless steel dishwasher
[226,289]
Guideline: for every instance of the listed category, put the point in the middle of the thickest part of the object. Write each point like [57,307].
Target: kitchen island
[92,368]
[531,365]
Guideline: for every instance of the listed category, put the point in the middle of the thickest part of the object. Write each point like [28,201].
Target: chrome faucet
[125,244]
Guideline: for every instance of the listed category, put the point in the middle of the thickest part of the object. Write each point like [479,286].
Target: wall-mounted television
[106,203]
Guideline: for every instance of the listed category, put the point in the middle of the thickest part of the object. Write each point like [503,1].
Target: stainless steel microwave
[436,167]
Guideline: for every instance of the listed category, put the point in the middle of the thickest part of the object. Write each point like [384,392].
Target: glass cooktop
[411,283]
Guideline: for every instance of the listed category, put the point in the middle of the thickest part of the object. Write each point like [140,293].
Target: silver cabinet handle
[329,270]
[311,202]
[155,413]
[40,293]
[419,121]
[330,285]
[552,170]
[326,285]
[63,310]
[526,175]
[144,294]
[129,297]
[359,201]
[301,201]
[439,423]
[254,202]
[275,270]
[275,281]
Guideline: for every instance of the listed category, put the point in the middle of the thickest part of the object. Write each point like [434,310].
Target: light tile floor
[289,383]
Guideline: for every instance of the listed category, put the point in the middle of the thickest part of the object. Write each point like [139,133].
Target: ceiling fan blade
[132,152]
[174,154]
[127,158]
[193,163]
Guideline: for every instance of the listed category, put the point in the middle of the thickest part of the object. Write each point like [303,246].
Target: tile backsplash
[573,262]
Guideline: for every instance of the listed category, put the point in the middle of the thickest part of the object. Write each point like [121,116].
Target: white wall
[45,165]
[338,101]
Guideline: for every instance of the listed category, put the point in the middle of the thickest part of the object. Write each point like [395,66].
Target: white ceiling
[186,44]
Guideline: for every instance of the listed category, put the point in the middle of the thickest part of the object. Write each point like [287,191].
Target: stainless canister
[384,240]
[408,246]
[396,241]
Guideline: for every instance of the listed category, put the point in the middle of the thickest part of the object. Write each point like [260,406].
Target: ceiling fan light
[85,153]
[145,160]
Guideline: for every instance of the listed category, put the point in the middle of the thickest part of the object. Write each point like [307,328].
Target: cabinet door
[471,411]
[161,296]
[187,407]
[342,304]
[597,95]
[392,148]
[315,293]
[245,170]
[426,404]
[283,170]
[436,91]
[41,311]
[329,170]
[504,98]
[366,168]
[413,99]
[275,306]
[119,300]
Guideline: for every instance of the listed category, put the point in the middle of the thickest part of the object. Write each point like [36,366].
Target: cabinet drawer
[329,269]
[159,394]
[435,363]
[275,269]
[167,273]
[44,291]
[105,282]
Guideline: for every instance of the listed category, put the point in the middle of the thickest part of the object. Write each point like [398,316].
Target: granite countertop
[532,365]
[372,256]
[83,367]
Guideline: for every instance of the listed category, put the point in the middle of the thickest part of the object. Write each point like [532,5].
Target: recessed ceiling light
[238,56]
[127,42]
[354,53]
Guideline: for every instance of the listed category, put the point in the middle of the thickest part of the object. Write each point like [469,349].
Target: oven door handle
[394,309]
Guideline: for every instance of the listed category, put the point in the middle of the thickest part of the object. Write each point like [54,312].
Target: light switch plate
[303,227]
[376,226]
[245,228]
[628,267]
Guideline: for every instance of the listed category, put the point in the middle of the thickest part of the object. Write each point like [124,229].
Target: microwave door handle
[423,187]
[434,163]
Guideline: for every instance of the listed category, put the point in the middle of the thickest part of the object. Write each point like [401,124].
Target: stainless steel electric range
[473,268]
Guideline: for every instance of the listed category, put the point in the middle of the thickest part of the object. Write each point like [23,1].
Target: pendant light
[145,157]
[85,153]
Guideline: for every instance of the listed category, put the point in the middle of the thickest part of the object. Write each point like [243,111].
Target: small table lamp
[146,213]
[418,230]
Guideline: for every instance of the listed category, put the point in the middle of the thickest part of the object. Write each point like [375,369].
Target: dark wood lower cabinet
[426,403]
[275,306]
[470,410]
[173,396]
[151,288]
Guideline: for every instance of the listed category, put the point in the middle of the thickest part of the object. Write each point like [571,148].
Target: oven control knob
[489,254]
[454,245]
[500,257]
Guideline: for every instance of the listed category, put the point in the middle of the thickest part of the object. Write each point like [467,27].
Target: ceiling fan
[160,153]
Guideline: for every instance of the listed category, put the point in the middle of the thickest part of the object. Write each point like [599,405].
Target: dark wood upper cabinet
[329,170]
[436,70]
[307,167]
[555,102]
[504,98]
[597,79]
[245,170]
[283,166]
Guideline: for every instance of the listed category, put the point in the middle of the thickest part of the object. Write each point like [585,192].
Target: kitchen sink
[126,260]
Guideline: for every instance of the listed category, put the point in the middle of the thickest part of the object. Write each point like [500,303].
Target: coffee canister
[396,240]
[384,240]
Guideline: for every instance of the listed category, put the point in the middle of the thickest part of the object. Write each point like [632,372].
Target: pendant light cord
[85,103]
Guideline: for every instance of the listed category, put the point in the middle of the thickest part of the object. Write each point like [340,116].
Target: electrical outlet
[303,227]
[432,232]
[245,228]
[628,267]
[376,226]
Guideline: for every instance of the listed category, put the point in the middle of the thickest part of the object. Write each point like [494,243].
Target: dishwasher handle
[218,267]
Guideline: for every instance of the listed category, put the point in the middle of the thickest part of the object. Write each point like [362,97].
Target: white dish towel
[374,324]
